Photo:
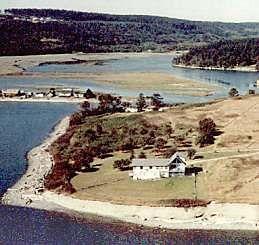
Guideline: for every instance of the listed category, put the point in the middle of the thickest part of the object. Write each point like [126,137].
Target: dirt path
[226,157]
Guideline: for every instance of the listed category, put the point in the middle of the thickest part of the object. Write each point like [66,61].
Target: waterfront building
[148,169]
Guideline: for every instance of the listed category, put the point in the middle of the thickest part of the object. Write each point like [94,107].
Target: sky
[210,10]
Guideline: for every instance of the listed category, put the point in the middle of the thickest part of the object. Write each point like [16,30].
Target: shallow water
[157,63]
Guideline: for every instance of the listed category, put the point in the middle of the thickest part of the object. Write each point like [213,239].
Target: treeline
[223,54]
[70,31]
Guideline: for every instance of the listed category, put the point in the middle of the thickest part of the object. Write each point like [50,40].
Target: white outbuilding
[150,169]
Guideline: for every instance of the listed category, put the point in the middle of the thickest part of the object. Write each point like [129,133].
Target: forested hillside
[34,31]
[226,54]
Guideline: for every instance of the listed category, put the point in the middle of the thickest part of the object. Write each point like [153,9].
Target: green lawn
[108,184]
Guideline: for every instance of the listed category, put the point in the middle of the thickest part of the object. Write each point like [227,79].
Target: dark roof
[150,162]
[158,162]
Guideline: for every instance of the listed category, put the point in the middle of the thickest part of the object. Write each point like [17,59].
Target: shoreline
[43,100]
[27,192]
[236,69]
[216,216]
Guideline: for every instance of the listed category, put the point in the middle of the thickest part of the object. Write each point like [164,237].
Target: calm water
[23,126]
[41,227]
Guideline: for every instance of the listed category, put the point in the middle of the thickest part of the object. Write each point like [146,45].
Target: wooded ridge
[223,54]
[41,31]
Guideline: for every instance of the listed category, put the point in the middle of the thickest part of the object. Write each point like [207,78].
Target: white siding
[175,166]
[145,173]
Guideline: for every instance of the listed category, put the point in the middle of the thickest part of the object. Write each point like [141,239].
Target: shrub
[207,131]
[149,141]
[233,92]
[141,103]
[142,155]
[59,178]
[167,130]
[190,153]
[85,106]
[127,145]
[160,143]
[122,164]
[143,131]
[170,152]
[157,101]
[76,119]
[90,134]
[89,94]
[81,160]
[132,154]
[99,129]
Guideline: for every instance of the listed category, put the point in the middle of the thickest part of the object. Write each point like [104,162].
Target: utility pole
[195,185]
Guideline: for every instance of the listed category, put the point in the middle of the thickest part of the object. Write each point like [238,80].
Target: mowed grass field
[231,165]
[112,185]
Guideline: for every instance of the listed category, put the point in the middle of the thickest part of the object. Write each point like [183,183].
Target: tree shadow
[106,155]
[90,170]
[218,132]
[198,157]
[147,147]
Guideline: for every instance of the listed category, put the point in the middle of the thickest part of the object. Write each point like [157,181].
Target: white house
[148,169]
[131,109]
[39,95]
[10,92]
[254,87]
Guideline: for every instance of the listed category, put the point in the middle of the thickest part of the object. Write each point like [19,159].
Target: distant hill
[40,31]
[226,54]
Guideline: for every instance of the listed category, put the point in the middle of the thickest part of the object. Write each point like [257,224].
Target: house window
[150,167]
[141,167]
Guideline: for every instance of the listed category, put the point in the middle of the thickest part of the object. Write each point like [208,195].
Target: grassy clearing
[224,180]
[115,186]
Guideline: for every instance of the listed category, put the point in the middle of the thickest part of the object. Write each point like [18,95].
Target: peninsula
[229,179]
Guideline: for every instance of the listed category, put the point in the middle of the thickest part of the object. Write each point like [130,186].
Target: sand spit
[28,192]
[237,68]
[47,100]
[16,65]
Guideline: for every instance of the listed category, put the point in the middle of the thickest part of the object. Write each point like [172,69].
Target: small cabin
[39,95]
[150,169]
[253,87]
[10,93]
[131,109]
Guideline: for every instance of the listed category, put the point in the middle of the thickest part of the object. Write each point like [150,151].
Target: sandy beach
[28,192]
[214,216]
[237,68]
[137,81]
